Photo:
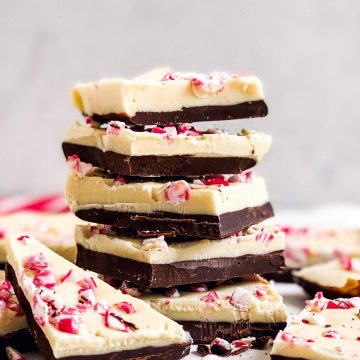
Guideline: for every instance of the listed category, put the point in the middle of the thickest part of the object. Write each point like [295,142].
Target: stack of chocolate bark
[177,213]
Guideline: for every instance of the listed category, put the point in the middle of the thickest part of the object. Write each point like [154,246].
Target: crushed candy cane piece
[36,262]
[115,127]
[126,307]
[317,304]
[80,168]
[242,299]
[211,297]
[177,192]
[126,288]
[331,334]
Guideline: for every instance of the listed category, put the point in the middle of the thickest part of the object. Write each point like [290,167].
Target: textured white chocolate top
[91,317]
[134,143]
[258,241]
[331,333]
[11,316]
[86,192]
[156,95]
[54,230]
[307,246]
[258,302]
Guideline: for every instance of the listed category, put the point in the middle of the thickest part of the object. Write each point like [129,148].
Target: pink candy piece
[259,292]
[125,288]
[331,334]
[120,180]
[172,292]
[215,180]
[87,283]
[80,168]
[101,308]
[265,237]
[12,354]
[114,128]
[36,262]
[211,297]
[290,338]
[45,278]
[40,310]
[87,296]
[6,291]
[158,130]
[24,239]
[318,303]
[69,276]
[115,322]
[241,298]
[126,307]
[167,302]
[68,324]
[177,192]
[2,234]
[244,177]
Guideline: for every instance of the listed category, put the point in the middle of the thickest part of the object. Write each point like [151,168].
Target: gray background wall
[306,52]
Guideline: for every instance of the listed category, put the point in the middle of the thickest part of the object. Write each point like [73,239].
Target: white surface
[306,52]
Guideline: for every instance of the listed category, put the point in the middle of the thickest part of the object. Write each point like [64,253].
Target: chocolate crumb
[203,349]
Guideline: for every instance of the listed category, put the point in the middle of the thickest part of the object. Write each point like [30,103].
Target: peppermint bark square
[74,316]
[236,309]
[165,151]
[325,329]
[213,207]
[156,262]
[168,98]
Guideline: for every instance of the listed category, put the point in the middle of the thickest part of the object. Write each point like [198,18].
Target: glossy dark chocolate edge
[171,352]
[153,165]
[21,340]
[178,273]
[243,110]
[207,331]
[198,226]
[312,288]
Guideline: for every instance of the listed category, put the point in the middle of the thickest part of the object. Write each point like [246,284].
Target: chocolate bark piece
[243,110]
[205,332]
[20,340]
[312,288]
[153,165]
[171,352]
[178,273]
[197,226]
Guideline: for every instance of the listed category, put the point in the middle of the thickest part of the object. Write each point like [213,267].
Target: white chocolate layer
[153,329]
[341,345]
[149,95]
[89,192]
[134,143]
[10,321]
[132,248]
[308,246]
[189,306]
[331,274]
[54,230]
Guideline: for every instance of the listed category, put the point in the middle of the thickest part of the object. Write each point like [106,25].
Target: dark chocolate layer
[152,165]
[178,273]
[205,332]
[284,276]
[20,340]
[330,293]
[188,115]
[171,352]
[197,226]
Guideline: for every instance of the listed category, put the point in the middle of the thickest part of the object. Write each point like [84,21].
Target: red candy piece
[177,192]
[79,167]
[68,324]
[2,234]
[45,278]
[265,237]
[69,276]
[340,304]
[24,238]
[211,297]
[215,180]
[126,307]
[125,288]
[120,180]
[87,283]
[115,322]
[36,262]
[331,334]
[114,127]
[158,130]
